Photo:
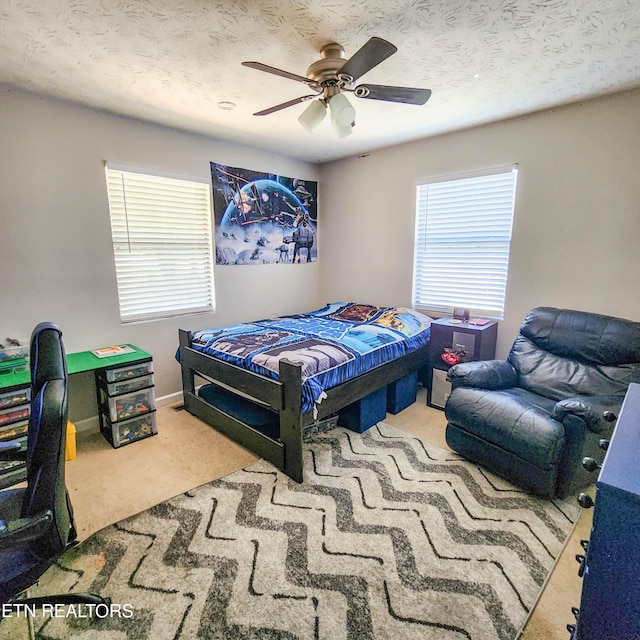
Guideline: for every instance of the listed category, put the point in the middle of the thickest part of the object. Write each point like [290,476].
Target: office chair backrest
[46,438]
[561,353]
[47,357]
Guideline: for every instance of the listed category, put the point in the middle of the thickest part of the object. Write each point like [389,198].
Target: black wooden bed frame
[284,396]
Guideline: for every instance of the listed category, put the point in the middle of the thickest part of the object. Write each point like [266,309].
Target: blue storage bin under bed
[402,393]
[260,418]
[363,414]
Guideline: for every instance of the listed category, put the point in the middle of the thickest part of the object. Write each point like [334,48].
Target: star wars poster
[263,218]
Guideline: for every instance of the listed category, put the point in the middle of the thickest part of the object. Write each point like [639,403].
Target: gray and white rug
[388,537]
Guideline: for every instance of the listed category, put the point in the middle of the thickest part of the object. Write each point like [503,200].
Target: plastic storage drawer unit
[126,398]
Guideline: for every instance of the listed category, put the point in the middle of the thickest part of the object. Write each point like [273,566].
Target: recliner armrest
[24,529]
[11,451]
[590,409]
[483,374]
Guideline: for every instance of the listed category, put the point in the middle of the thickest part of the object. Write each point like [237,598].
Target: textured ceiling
[173,61]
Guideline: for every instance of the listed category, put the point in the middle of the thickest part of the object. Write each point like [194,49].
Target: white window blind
[463,235]
[161,231]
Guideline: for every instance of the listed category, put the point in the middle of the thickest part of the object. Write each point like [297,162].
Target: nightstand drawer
[440,389]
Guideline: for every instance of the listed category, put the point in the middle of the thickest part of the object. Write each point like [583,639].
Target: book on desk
[107,352]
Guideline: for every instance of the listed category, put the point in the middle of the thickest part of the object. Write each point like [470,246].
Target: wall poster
[263,218]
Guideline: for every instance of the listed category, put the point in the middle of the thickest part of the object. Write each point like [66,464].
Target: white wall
[576,236]
[575,243]
[56,259]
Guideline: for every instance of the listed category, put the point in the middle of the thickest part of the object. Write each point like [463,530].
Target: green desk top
[78,363]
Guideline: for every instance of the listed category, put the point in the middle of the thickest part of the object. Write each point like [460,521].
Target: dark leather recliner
[36,521]
[533,417]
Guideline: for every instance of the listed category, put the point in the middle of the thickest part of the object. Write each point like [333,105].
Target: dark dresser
[610,602]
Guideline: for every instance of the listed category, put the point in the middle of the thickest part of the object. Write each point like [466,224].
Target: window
[161,230]
[463,235]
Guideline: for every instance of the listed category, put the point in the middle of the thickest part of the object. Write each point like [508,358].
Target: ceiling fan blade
[408,95]
[284,105]
[371,54]
[279,72]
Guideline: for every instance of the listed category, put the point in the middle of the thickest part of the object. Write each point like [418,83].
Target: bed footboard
[284,396]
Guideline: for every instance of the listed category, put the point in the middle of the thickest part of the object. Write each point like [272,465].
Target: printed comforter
[332,344]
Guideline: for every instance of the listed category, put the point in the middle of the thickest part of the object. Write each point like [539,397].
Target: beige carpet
[107,485]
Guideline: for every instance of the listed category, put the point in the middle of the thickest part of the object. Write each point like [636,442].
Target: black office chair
[36,522]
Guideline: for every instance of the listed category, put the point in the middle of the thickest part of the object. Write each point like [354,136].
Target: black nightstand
[477,342]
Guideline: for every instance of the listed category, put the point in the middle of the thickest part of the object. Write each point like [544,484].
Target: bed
[270,381]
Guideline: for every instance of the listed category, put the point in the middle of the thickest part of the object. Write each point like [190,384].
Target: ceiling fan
[334,74]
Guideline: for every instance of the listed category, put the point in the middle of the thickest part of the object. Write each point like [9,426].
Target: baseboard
[172,398]
[86,424]
[94,423]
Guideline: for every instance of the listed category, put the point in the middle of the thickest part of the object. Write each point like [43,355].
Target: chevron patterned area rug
[387,537]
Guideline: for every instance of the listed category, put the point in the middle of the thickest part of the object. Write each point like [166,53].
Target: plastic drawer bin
[14,414]
[134,429]
[127,386]
[131,404]
[7,465]
[12,473]
[14,398]
[14,359]
[130,371]
[15,430]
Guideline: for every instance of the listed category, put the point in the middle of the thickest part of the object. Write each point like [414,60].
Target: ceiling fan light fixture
[313,115]
[333,74]
[342,113]
[342,131]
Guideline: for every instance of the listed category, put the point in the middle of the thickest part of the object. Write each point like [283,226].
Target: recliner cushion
[515,420]
[559,377]
[561,353]
[580,335]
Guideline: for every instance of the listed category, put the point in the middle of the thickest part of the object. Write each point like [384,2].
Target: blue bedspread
[332,344]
